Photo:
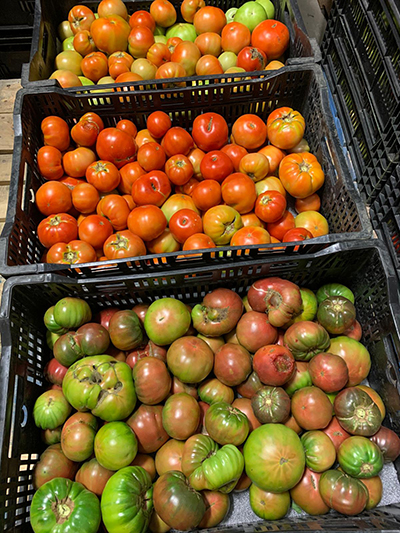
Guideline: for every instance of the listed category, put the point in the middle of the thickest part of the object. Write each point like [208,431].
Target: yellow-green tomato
[69,60]
[64,30]
[68,43]
[227,60]
[115,445]
[267,505]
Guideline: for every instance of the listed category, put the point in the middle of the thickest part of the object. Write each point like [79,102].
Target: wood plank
[4,190]
[8,90]
[6,133]
[5,168]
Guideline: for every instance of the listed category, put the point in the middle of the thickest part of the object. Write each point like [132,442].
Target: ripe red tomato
[71,253]
[272,37]
[256,166]
[251,58]
[129,174]
[147,221]
[115,209]
[187,54]
[216,165]
[270,206]
[49,162]
[158,123]
[297,234]
[209,43]
[179,169]
[69,182]
[127,77]
[250,235]
[140,39]
[77,161]
[151,156]
[236,153]
[210,131]
[310,203]
[118,57]
[239,192]
[94,66]
[198,241]
[158,53]
[152,188]
[208,65]
[274,156]
[80,18]
[177,141]
[185,223]
[142,18]
[209,18]
[85,198]
[93,117]
[207,194]
[95,230]
[123,244]
[285,127]
[83,43]
[57,228]
[103,175]
[235,37]
[173,42]
[188,187]
[280,227]
[250,131]
[118,68]
[55,132]
[128,127]
[110,33]
[163,13]
[85,133]
[301,174]
[53,197]
[116,146]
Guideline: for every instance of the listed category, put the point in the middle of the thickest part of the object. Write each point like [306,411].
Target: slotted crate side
[301,87]
[16,12]
[15,44]
[364,268]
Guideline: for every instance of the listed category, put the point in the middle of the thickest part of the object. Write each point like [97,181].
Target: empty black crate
[301,87]
[15,45]
[364,267]
[16,12]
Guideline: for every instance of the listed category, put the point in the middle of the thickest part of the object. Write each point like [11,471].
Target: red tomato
[95,66]
[110,33]
[189,8]
[147,221]
[103,175]
[235,37]
[216,165]
[49,162]
[158,53]
[158,123]
[140,39]
[171,70]
[207,194]
[117,68]
[179,169]
[297,234]
[177,141]
[209,43]
[95,230]
[251,219]
[116,146]
[152,188]
[310,203]
[85,133]
[69,182]
[115,209]
[256,166]
[301,174]
[314,222]
[151,156]
[163,13]
[83,43]
[250,131]
[77,161]
[93,117]
[209,18]
[208,65]
[123,244]
[285,127]
[188,187]
[184,224]
[80,18]
[270,206]
[274,156]
[236,153]
[55,132]
[280,227]
[142,18]
[128,127]
[85,198]
[129,200]
[71,253]
[172,43]
[250,235]
[129,174]
[210,131]
[239,192]
[118,57]
[251,58]
[272,37]
[198,241]
[196,156]
[57,228]
[187,54]
[128,77]
[52,198]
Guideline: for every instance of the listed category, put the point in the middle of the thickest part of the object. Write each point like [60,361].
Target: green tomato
[72,313]
[115,445]
[51,410]
[159,31]
[306,339]
[166,320]
[359,457]
[230,14]
[319,449]
[51,339]
[269,8]
[85,81]
[332,396]
[64,30]
[227,60]
[334,289]
[101,384]
[51,324]
[336,314]
[309,306]
[267,505]
[226,424]
[160,39]
[64,506]
[197,448]
[299,380]
[250,14]
[183,30]
[68,43]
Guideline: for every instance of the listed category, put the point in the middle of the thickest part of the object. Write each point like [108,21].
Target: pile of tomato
[157,413]
[122,193]
[209,42]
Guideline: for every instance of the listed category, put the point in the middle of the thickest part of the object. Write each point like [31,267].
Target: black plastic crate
[49,14]
[15,12]
[15,45]
[364,267]
[301,87]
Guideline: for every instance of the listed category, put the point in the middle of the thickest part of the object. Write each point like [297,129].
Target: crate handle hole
[391,373]
[25,414]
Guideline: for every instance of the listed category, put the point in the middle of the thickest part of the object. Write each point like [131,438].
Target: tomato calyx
[120,242]
[304,167]
[55,220]
[62,509]
[100,167]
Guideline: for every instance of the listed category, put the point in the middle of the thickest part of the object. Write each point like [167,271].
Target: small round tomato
[285,127]
[256,166]
[139,41]
[177,141]
[152,188]
[210,131]
[57,228]
[53,197]
[128,127]
[179,169]
[216,165]
[239,192]
[158,123]
[128,175]
[221,223]
[115,209]
[77,161]
[207,194]
[251,58]
[142,18]
[116,146]
[95,229]
[103,175]
[196,156]
[151,156]
[310,203]
[274,156]
[235,36]
[171,70]
[301,174]
[95,66]
[163,12]
[189,8]
[314,222]
[250,131]
[80,18]
[184,224]
[280,227]
[272,37]
[158,53]
[49,162]
[209,18]
[198,241]
[209,43]
[250,235]
[71,253]
[208,65]
[85,198]
[123,244]
[270,206]
[297,234]
[55,132]
[187,54]
[147,221]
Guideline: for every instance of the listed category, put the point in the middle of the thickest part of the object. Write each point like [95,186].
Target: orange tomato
[256,166]
[274,156]
[280,227]
[270,184]
[309,203]
[274,65]
[301,174]
[207,194]
[236,154]
[316,224]
[285,127]
[250,235]
[198,241]
[129,174]
[147,221]
[251,219]
[239,192]
[143,137]
[209,18]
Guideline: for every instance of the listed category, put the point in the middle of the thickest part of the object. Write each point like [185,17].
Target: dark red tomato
[306,494]
[177,141]
[329,372]
[279,228]
[248,388]
[116,146]
[388,442]
[151,156]
[127,126]
[270,206]
[235,153]
[152,188]
[57,228]
[104,316]
[152,380]
[181,416]
[354,331]
[185,223]
[54,372]
[251,58]
[53,197]
[95,230]
[336,433]
[158,123]
[55,132]
[311,408]
[254,331]
[232,364]
[210,131]
[216,165]
[49,161]
[274,365]
[146,422]
[297,234]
